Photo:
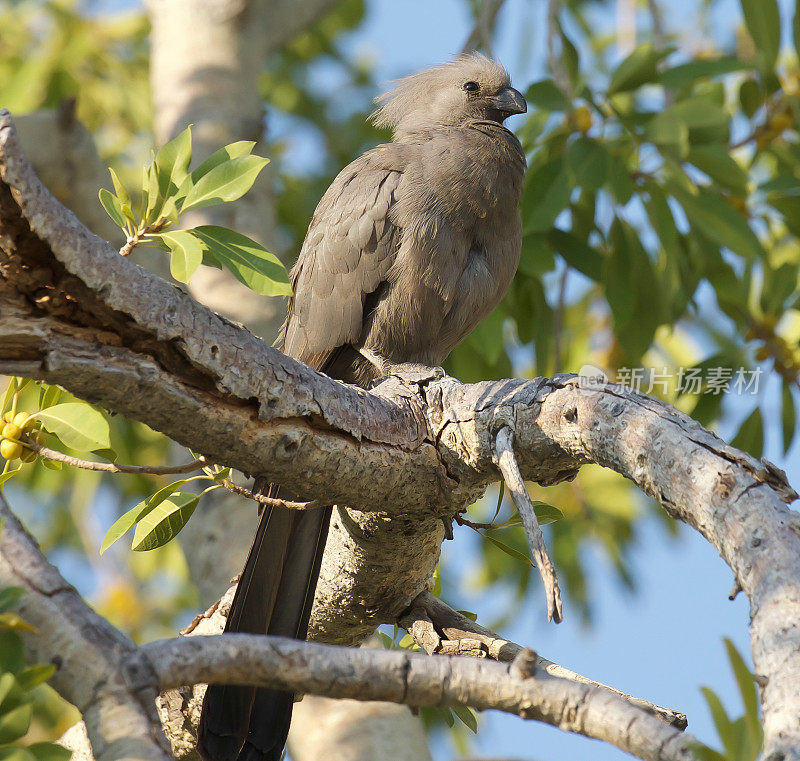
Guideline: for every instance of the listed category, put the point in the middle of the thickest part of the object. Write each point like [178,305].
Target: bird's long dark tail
[275,595]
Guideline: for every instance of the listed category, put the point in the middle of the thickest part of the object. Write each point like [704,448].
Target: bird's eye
[471,86]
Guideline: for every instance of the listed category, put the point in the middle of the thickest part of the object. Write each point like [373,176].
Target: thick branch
[403,677]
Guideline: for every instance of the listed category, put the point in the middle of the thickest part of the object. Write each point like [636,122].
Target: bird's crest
[411,96]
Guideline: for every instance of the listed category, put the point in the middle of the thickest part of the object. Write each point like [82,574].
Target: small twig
[112,467]
[136,238]
[507,463]
[263,499]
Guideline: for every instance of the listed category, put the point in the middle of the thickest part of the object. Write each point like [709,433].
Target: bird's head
[469,87]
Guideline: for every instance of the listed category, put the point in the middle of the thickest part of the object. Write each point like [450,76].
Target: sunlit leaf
[77,424]
[164,521]
[129,519]
[249,261]
[113,208]
[232,151]
[186,253]
[172,162]
[225,182]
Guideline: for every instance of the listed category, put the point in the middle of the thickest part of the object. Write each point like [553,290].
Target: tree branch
[403,677]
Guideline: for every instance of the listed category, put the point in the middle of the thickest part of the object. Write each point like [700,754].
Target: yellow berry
[11,431]
[583,119]
[782,121]
[25,421]
[11,450]
[38,437]
[8,417]
[28,455]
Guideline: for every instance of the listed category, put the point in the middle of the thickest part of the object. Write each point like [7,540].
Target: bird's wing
[350,245]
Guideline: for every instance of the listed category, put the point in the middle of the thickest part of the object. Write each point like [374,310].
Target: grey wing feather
[350,246]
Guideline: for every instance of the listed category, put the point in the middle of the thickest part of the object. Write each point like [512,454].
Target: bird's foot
[416,373]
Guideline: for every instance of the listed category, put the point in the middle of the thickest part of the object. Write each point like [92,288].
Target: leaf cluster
[170,190]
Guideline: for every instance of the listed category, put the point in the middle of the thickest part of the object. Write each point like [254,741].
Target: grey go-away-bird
[412,245]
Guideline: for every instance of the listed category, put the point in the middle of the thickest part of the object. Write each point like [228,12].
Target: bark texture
[74,313]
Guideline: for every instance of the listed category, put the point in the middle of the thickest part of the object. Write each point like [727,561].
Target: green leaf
[750,437]
[745,682]
[8,396]
[588,163]
[50,396]
[127,521]
[668,129]
[680,76]
[724,725]
[249,261]
[468,614]
[546,95]
[121,191]
[763,21]
[164,521]
[154,198]
[750,97]
[18,753]
[516,554]
[637,69]
[719,221]
[720,166]
[789,419]
[225,182]
[232,151]
[9,597]
[186,253]
[386,640]
[704,753]
[172,162]
[33,676]
[8,687]
[77,424]
[546,193]
[546,513]
[578,254]
[12,653]
[112,206]
[8,475]
[46,751]
[467,716]
[15,724]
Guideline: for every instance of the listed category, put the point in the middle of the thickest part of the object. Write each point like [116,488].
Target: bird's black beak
[510,101]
